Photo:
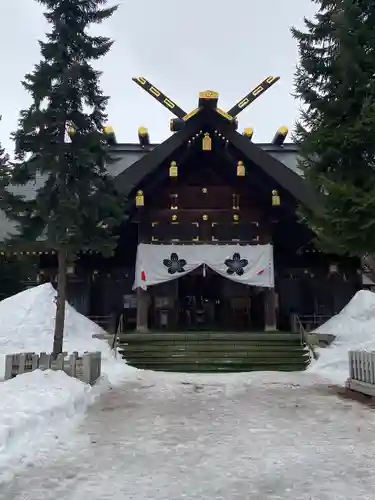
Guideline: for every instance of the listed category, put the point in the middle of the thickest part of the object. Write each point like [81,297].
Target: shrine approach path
[168,437]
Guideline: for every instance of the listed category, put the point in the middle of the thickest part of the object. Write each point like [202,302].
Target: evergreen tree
[336,132]
[60,138]
[4,167]
[15,273]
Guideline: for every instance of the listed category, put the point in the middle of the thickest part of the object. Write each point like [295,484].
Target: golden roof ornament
[248,132]
[142,131]
[208,94]
[173,170]
[241,172]
[280,136]
[206,142]
[227,116]
[139,199]
[109,132]
[144,138]
[275,198]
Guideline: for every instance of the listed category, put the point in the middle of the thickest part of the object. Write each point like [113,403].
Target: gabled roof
[133,162]
[290,180]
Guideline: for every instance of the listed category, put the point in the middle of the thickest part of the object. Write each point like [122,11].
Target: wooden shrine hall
[212,239]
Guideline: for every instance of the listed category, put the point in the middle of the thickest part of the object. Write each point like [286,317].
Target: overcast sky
[182,48]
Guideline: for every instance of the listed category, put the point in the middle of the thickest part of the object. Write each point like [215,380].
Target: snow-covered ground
[168,436]
[263,436]
[38,409]
[354,328]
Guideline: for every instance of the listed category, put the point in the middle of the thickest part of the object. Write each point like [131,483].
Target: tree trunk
[60,303]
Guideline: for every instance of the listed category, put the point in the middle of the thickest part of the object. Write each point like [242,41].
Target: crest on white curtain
[236,265]
[248,264]
[174,264]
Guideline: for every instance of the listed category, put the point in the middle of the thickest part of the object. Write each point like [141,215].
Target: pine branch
[336,85]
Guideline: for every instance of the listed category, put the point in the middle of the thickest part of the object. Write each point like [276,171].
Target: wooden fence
[86,368]
[362,372]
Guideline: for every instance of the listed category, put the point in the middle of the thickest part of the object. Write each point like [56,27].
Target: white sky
[182,48]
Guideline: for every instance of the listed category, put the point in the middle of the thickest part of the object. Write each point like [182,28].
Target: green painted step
[169,350]
[214,351]
[214,362]
[210,347]
[202,336]
[194,368]
[213,354]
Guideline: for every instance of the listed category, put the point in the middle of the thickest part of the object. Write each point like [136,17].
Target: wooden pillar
[176,305]
[143,302]
[270,310]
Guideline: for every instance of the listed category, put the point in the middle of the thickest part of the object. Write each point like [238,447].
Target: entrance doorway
[208,301]
[199,300]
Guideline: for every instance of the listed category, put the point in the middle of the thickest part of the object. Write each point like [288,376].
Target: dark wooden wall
[201,206]
[213,205]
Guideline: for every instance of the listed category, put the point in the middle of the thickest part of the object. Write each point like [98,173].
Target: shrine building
[212,238]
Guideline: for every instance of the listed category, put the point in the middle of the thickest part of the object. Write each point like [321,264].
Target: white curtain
[247,264]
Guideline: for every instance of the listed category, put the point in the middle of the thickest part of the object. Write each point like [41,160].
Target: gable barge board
[296,185]
[128,180]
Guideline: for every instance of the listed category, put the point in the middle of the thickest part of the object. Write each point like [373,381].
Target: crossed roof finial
[207,96]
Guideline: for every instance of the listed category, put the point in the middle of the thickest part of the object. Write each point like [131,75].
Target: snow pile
[27,324]
[354,328]
[36,411]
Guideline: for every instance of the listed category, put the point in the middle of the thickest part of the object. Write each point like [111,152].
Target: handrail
[103,321]
[116,335]
[305,338]
[314,320]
